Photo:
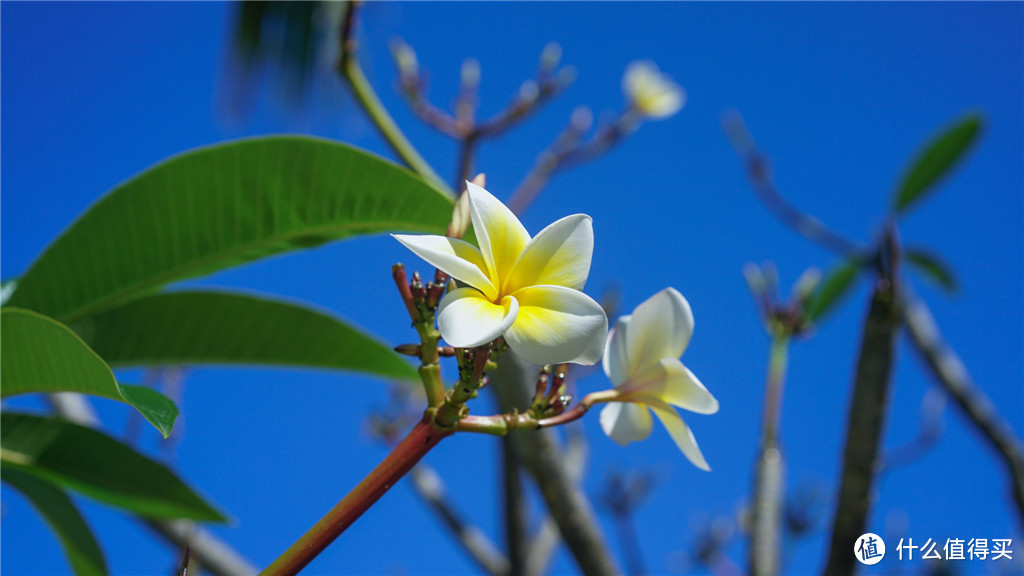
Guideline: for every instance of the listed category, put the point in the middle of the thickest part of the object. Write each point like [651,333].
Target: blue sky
[840,96]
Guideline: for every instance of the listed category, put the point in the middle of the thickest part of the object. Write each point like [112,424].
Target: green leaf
[215,328]
[39,354]
[53,504]
[835,285]
[937,159]
[96,465]
[933,269]
[222,206]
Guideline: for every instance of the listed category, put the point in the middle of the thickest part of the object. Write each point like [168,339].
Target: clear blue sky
[839,95]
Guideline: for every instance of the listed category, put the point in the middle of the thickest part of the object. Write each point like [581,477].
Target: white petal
[626,422]
[466,319]
[680,433]
[661,328]
[501,236]
[557,324]
[669,381]
[558,255]
[457,258]
[615,361]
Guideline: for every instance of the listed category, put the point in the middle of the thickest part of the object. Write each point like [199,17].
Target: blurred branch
[348,67]
[566,152]
[429,486]
[543,544]
[215,555]
[867,410]
[544,459]
[622,495]
[462,125]
[515,509]
[932,407]
[759,174]
[949,370]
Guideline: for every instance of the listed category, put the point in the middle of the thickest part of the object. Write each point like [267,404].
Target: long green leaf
[98,466]
[938,158]
[836,284]
[933,268]
[53,504]
[212,327]
[221,206]
[41,355]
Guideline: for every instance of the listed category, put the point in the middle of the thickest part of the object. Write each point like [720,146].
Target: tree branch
[949,370]
[215,555]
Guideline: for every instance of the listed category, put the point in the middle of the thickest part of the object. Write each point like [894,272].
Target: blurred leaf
[53,504]
[214,328]
[222,206]
[284,39]
[98,466]
[830,291]
[937,159]
[39,354]
[933,269]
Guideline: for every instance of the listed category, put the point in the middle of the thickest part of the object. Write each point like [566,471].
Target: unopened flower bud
[528,91]
[806,284]
[405,59]
[550,57]
[470,74]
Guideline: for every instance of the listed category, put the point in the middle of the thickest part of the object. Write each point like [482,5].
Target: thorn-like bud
[408,349]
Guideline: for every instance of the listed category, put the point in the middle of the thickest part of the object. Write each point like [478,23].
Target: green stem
[367,97]
[423,437]
[771,468]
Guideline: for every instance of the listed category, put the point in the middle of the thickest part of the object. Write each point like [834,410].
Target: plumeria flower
[650,92]
[527,289]
[642,359]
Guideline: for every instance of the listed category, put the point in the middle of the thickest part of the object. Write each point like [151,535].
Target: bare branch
[950,372]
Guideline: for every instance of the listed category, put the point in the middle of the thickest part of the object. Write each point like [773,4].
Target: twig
[215,555]
[867,411]
[348,67]
[760,178]
[429,486]
[949,370]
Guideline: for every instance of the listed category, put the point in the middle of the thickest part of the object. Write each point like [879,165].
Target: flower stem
[348,66]
[423,437]
[771,467]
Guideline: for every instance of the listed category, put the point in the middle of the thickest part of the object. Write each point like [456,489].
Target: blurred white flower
[525,288]
[650,92]
[642,359]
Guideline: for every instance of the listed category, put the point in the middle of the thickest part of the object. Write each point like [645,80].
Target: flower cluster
[528,290]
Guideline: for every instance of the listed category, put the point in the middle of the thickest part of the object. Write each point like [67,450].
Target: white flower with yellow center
[642,359]
[527,289]
[650,92]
